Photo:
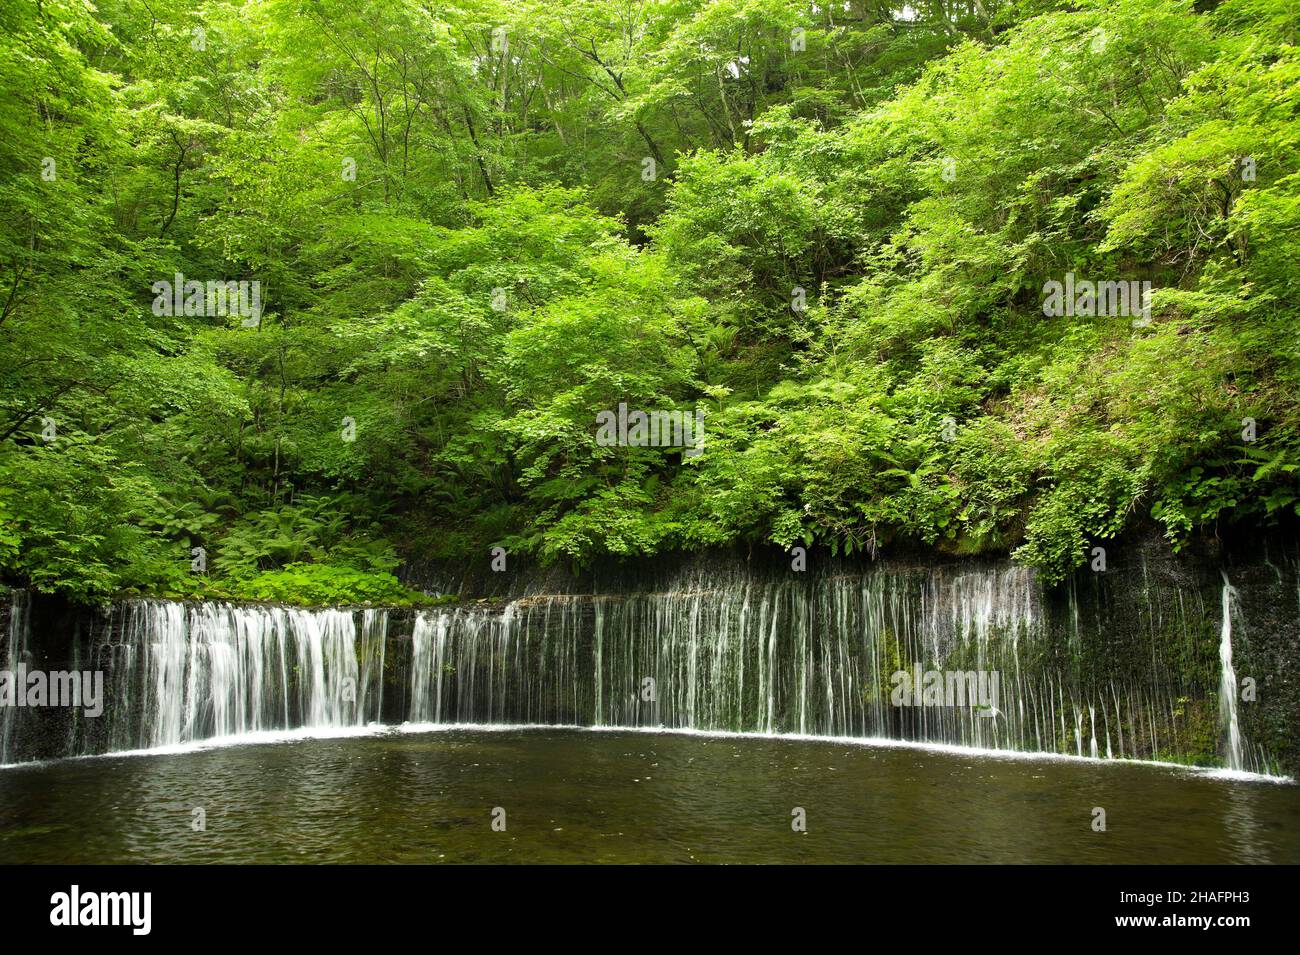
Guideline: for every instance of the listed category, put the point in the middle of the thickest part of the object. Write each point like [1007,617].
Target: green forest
[294,290]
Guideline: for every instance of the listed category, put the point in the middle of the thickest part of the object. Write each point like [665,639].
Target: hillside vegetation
[475,227]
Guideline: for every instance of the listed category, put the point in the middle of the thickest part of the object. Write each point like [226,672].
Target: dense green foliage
[477,226]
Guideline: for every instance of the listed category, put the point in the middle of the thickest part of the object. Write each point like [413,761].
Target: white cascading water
[16,641]
[809,657]
[1228,684]
[183,673]
[712,650]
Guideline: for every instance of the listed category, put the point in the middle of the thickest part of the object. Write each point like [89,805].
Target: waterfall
[183,673]
[1084,671]
[793,656]
[1228,684]
[16,652]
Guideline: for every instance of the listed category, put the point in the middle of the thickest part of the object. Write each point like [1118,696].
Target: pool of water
[571,795]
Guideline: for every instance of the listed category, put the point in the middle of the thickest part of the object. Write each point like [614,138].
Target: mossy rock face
[964,544]
[1197,731]
[1160,614]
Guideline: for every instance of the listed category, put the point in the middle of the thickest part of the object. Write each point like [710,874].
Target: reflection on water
[581,796]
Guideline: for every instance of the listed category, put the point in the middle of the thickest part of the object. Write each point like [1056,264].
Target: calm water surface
[581,796]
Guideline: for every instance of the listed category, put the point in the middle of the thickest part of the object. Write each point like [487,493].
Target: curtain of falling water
[810,657]
[17,653]
[714,649]
[182,673]
[758,656]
